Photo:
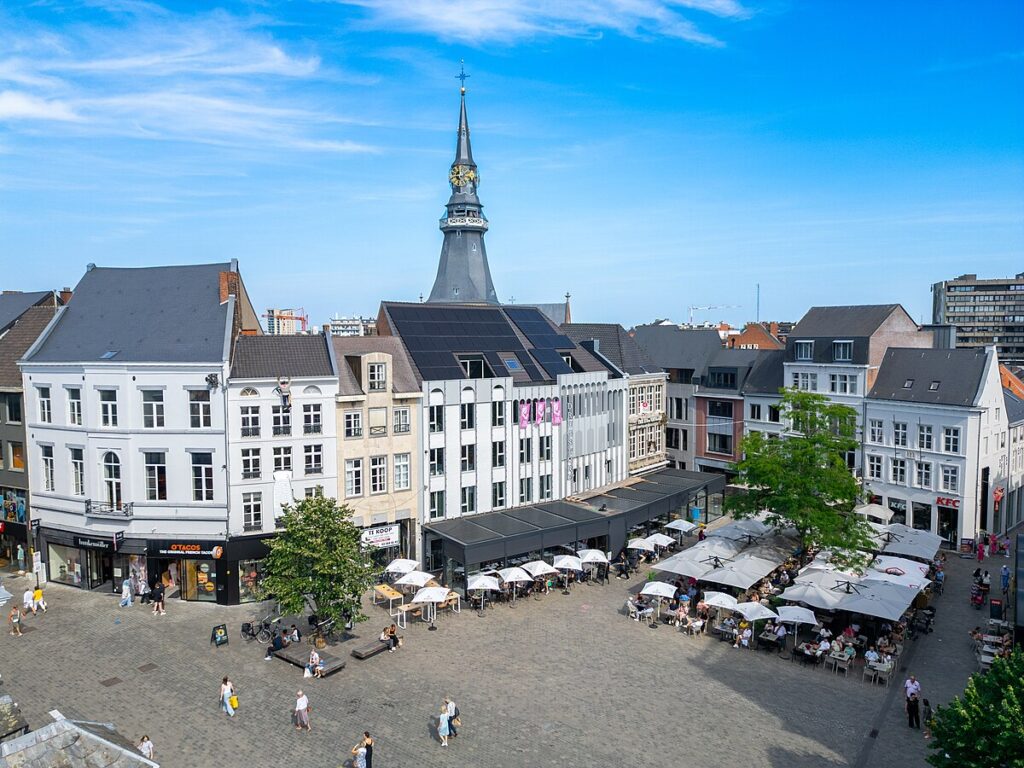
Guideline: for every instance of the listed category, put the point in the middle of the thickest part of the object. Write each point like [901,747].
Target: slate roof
[843,322]
[768,374]
[670,346]
[146,314]
[739,360]
[269,357]
[615,344]
[72,744]
[14,343]
[1014,407]
[402,376]
[13,305]
[959,373]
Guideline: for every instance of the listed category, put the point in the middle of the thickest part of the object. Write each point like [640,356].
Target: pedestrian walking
[1004,579]
[442,725]
[911,687]
[26,602]
[453,717]
[146,747]
[301,712]
[359,754]
[126,593]
[914,712]
[158,598]
[981,550]
[38,604]
[927,714]
[228,698]
[14,619]
[368,743]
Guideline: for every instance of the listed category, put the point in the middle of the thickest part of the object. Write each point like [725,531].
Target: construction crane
[295,315]
[714,306]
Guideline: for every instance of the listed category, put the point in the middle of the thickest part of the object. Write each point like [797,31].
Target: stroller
[977,596]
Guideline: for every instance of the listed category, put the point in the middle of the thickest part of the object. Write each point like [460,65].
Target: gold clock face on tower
[461,175]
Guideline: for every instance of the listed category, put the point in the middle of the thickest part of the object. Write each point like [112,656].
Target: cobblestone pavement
[561,681]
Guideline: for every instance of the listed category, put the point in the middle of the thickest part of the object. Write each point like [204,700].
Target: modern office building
[285,322]
[985,312]
[351,326]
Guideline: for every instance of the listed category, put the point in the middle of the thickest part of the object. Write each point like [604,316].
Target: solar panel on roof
[552,361]
[537,329]
[529,367]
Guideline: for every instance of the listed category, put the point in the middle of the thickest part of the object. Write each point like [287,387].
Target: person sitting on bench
[389,635]
[316,664]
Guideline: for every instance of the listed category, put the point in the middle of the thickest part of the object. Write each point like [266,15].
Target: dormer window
[933,386]
[804,350]
[842,351]
[908,383]
[475,367]
[378,376]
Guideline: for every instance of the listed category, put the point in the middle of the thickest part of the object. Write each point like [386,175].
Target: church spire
[463,276]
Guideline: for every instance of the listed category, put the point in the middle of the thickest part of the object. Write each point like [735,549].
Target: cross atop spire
[462,75]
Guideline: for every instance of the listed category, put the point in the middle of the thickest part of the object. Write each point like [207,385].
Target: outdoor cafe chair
[869,673]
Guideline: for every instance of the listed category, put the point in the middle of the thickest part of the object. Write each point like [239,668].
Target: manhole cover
[147,667]
[111,681]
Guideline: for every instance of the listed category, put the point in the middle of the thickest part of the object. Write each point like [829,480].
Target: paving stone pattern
[561,681]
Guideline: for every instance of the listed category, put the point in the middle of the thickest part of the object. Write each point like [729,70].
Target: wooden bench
[372,648]
[298,654]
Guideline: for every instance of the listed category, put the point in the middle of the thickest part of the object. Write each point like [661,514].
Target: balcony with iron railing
[106,509]
[250,431]
[402,429]
[251,474]
[312,429]
[283,431]
[314,469]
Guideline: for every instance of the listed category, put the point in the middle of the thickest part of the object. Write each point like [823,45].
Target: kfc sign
[948,503]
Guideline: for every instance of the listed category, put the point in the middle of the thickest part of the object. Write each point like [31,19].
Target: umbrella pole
[566,590]
[657,615]
[433,616]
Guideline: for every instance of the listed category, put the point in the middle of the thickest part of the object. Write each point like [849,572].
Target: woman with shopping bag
[228,697]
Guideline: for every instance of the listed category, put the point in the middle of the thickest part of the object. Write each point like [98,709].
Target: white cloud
[511,20]
[23,106]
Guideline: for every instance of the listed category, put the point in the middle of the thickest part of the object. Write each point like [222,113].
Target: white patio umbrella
[683,526]
[741,573]
[796,614]
[660,590]
[720,600]
[660,540]
[431,596]
[513,575]
[568,562]
[752,611]
[538,568]
[640,544]
[415,579]
[402,565]
[876,511]
[482,583]
[592,556]
[812,594]
[688,563]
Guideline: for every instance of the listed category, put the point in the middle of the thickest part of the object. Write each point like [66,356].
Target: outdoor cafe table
[768,639]
[726,633]
[404,610]
[386,592]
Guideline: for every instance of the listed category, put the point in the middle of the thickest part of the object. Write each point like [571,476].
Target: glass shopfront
[899,510]
[250,574]
[922,516]
[66,565]
[200,580]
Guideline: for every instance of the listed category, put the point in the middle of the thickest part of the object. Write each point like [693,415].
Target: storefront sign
[947,502]
[382,536]
[186,549]
[118,539]
[86,542]
[966,547]
[35,526]
[37,562]
[219,635]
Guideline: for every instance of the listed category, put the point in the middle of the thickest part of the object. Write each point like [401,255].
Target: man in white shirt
[26,601]
[780,636]
[453,712]
[871,655]
[824,647]
[911,686]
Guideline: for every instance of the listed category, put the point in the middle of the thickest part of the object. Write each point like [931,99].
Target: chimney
[228,285]
[65,295]
[773,329]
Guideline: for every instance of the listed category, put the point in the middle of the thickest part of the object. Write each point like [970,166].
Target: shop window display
[200,581]
[250,574]
[66,565]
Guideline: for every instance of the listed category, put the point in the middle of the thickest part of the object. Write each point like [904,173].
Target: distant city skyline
[644,157]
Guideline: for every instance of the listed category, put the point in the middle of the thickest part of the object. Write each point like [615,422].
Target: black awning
[517,531]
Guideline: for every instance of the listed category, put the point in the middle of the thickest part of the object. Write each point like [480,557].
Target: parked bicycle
[261,630]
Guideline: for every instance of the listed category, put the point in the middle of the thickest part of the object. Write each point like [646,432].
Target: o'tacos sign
[382,536]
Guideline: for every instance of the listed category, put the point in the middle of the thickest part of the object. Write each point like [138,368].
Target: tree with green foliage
[318,557]
[801,480]
[985,727]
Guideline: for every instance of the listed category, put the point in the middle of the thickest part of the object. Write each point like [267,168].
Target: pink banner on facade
[556,411]
[540,411]
[524,414]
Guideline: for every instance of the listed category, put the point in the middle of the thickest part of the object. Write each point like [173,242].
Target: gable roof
[142,314]
[270,357]
[843,322]
[1014,407]
[615,344]
[402,378]
[670,346]
[72,744]
[17,339]
[768,375]
[16,303]
[908,375]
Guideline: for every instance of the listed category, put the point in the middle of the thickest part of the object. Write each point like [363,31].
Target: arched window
[112,479]
[311,390]
[249,392]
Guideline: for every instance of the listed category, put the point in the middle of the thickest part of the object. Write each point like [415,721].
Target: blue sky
[645,155]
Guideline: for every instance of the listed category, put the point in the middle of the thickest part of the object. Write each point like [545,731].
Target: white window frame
[250,420]
[467,416]
[377,377]
[77,458]
[378,474]
[875,467]
[312,420]
[153,475]
[898,471]
[525,450]
[435,462]
[251,464]
[108,408]
[403,471]
[923,474]
[252,511]
[498,495]
[313,459]
[544,487]
[152,410]
[498,413]
[435,417]
[467,458]
[46,453]
[437,501]
[45,405]
[353,424]
[526,490]
[199,413]
[899,434]
[74,406]
[202,477]
[799,348]
[353,478]
[950,478]
[467,501]
[283,458]
[402,421]
[280,421]
[876,431]
[544,448]
[837,346]
[951,440]
[497,453]
[925,437]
